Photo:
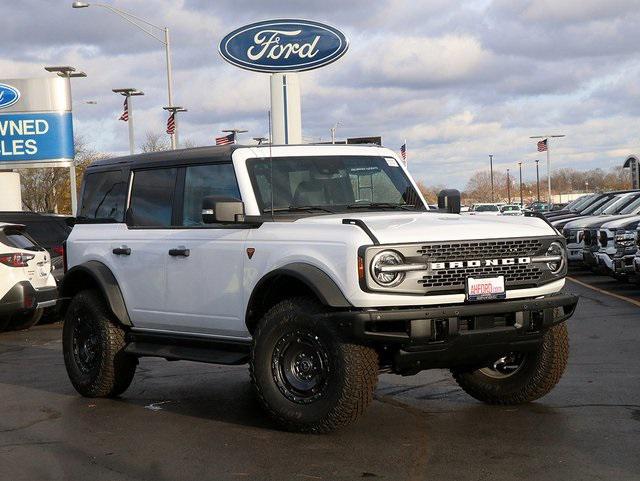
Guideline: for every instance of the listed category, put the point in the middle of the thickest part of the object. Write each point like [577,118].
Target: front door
[204,276]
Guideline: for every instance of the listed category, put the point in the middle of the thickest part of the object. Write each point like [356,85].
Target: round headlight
[387,259]
[556,250]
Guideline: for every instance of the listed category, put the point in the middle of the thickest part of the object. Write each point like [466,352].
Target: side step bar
[187,348]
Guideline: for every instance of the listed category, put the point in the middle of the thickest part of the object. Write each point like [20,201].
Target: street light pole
[521,201]
[508,187]
[538,177]
[68,72]
[128,93]
[164,40]
[491,169]
[548,161]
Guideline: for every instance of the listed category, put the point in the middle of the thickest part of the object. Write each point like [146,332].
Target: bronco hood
[408,227]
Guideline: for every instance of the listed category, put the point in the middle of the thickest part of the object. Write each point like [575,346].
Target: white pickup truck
[320,266]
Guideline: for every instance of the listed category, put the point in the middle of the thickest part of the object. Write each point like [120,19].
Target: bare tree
[155,142]
[48,190]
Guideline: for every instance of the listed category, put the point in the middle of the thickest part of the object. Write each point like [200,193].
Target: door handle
[181,251]
[122,251]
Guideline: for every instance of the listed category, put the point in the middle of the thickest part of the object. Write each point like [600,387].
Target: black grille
[457,251]
[454,279]
[593,239]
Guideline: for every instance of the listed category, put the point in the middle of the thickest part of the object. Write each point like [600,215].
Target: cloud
[458,80]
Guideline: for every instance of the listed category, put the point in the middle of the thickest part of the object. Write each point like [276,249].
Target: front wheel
[517,378]
[93,345]
[305,375]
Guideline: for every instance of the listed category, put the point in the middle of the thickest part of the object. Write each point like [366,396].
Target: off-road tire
[25,320]
[349,386]
[113,369]
[538,375]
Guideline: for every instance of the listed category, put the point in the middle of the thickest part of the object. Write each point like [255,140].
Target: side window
[152,197]
[201,181]
[104,196]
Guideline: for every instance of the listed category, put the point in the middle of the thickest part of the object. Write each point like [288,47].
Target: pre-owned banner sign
[35,120]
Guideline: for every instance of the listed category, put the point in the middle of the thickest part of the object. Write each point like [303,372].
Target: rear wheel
[305,376]
[25,320]
[93,345]
[517,378]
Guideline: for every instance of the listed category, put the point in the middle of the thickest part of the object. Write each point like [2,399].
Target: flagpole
[128,93]
[548,175]
[132,146]
[173,110]
[548,137]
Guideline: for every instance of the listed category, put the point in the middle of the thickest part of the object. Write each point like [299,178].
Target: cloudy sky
[458,80]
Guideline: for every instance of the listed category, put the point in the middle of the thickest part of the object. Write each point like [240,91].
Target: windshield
[508,208]
[615,207]
[579,203]
[332,184]
[632,208]
[486,208]
[602,201]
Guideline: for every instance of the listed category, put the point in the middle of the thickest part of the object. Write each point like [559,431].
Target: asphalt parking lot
[187,421]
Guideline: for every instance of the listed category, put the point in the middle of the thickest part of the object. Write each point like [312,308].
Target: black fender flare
[314,278]
[106,282]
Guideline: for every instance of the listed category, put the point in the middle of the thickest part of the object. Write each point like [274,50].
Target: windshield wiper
[298,208]
[383,205]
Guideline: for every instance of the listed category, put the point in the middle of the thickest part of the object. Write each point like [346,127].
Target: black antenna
[271,164]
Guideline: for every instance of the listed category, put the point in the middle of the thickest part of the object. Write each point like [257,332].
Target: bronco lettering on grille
[507,261]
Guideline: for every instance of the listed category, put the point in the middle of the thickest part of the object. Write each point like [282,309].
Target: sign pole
[74,192]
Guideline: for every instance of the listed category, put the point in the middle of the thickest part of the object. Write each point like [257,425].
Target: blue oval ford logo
[283,46]
[8,96]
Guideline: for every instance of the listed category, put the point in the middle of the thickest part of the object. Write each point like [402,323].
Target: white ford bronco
[320,266]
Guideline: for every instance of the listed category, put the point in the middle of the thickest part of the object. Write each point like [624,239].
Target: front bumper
[605,260]
[624,265]
[23,297]
[589,258]
[455,336]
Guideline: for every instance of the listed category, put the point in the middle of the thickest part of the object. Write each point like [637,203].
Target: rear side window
[15,238]
[103,197]
[202,181]
[152,197]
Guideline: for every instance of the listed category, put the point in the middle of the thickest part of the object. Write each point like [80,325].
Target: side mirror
[221,210]
[449,201]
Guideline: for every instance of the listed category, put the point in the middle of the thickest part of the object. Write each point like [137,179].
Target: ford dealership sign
[8,95]
[283,46]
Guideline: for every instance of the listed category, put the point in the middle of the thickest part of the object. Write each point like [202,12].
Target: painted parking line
[603,291]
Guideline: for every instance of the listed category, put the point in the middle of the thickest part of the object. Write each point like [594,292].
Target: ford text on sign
[283,46]
[36,136]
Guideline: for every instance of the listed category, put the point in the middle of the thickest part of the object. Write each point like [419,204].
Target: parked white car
[26,283]
[484,209]
[511,209]
[338,271]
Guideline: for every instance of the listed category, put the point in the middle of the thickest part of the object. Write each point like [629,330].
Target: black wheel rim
[300,366]
[86,342]
[505,366]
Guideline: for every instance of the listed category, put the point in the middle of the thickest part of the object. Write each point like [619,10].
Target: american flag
[125,114]
[542,146]
[227,139]
[403,151]
[171,124]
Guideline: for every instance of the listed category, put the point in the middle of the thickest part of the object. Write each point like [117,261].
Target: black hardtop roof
[214,152]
